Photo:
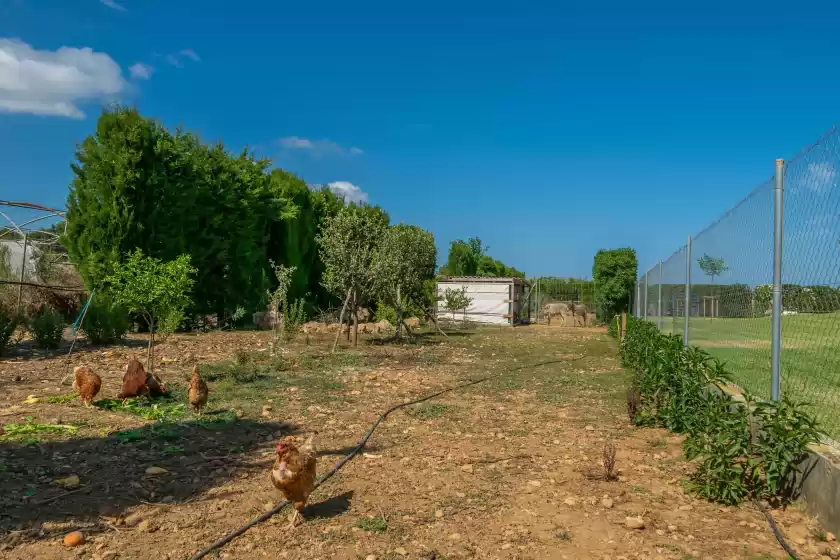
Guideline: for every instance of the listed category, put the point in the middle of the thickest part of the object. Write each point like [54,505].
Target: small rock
[146,526]
[454,537]
[70,482]
[74,539]
[570,502]
[506,546]
[634,522]
[467,468]
[660,532]
[370,557]
[590,428]
[800,541]
[372,377]
[401,551]
[268,506]
[109,555]
[829,537]
[156,470]
[439,514]
[672,528]
[686,507]
[607,503]
[293,389]
[834,555]
[534,483]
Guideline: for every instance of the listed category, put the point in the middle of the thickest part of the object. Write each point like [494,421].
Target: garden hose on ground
[276,509]
[772,522]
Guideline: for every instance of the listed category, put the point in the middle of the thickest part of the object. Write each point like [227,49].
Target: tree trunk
[341,320]
[355,319]
[399,313]
[149,350]
[437,326]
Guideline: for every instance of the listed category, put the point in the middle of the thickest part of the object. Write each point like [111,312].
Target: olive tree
[348,245]
[406,259]
[157,291]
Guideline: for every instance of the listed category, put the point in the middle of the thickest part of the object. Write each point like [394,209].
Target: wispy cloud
[114,6]
[318,147]
[820,177]
[53,83]
[177,59]
[348,192]
[140,71]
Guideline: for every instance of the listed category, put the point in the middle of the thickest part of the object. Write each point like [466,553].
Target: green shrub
[294,317]
[745,450]
[105,322]
[614,278]
[8,323]
[47,328]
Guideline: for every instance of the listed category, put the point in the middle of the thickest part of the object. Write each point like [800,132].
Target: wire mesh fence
[729,303]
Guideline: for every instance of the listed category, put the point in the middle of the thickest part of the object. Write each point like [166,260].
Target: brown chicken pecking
[155,384]
[293,472]
[86,383]
[134,381]
[197,392]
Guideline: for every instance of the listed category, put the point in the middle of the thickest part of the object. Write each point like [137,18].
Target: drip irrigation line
[355,451]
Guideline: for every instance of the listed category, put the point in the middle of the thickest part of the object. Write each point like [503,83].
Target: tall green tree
[406,259]
[711,266]
[614,277]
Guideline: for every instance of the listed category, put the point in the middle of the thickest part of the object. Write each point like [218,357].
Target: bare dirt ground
[505,469]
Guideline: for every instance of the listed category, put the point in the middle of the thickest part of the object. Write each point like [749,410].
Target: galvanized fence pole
[638,293]
[22,274]
[644,311]
[659,304]
[687,299]
[778,232]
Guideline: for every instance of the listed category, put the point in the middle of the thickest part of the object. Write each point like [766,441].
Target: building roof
[483,279]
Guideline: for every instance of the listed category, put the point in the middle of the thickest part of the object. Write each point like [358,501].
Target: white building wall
[490,301]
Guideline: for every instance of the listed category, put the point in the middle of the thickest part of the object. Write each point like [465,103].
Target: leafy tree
[470,258]
[349,243]
[158,291]
[455,299]
[278,299]
[406,259]
[712,266]
[614,277]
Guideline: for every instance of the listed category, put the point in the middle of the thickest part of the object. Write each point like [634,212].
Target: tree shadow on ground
[196,454]
[27,350]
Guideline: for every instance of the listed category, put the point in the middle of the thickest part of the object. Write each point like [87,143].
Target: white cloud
[348,192]
[317,147]
[821,177]
[189,53]
[52,83]
[113,5]
[177,59]
[141,71]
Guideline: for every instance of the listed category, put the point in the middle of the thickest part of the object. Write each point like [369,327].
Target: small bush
[8,323]
[105,322]
[47,328]
[294,317]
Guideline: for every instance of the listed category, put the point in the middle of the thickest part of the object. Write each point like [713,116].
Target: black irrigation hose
[775,529]
[276,509]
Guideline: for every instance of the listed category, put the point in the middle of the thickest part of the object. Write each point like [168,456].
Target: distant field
[810,356]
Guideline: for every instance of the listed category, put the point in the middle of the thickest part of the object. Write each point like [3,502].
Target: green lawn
[810,356]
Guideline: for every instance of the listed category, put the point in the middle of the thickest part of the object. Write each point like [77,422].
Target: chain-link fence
[730,300]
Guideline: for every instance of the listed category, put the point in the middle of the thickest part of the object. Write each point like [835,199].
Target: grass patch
[332,361]
[657,443]
[159,431]
[563,535]
[428,411]
[30,433]
[167,409]
[245,367]
[376,524]
[62,399]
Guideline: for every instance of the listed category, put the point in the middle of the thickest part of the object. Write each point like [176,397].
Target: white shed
[494,300]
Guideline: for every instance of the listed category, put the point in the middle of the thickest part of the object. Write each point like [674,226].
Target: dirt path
[507,469]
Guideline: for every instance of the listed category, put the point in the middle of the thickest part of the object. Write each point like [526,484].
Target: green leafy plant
[711,266]
[158,291]
[47,329]
[8,324]
[30,431]
[294,316]
[456,299]
[105,322]
[614,277]
[748,450]
[62,399]
[376,524]
[165,411]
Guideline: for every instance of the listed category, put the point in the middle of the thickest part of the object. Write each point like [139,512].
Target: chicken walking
[294,473]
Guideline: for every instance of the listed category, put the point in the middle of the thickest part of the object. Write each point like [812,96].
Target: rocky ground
[511,468]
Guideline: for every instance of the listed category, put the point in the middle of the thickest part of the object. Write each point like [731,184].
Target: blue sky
[549,129]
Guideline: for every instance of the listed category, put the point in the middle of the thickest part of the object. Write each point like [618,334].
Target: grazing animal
[580,312]
[86,383]
[293,472]
[550,310]
[134,381]
[197,392]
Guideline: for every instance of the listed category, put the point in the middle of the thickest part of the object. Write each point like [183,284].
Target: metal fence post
[778,232]
[687,298]
[659,304]
[638,293]
[22,274]
[644,311]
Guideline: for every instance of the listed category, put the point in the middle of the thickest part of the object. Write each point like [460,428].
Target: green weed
[62,399]
[428,411]
[166,411]
[376,524]
[30,432]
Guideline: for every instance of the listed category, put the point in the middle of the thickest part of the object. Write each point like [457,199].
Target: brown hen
[197,392]
[86,383]
[134,381]
[293,472]
[155,384]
